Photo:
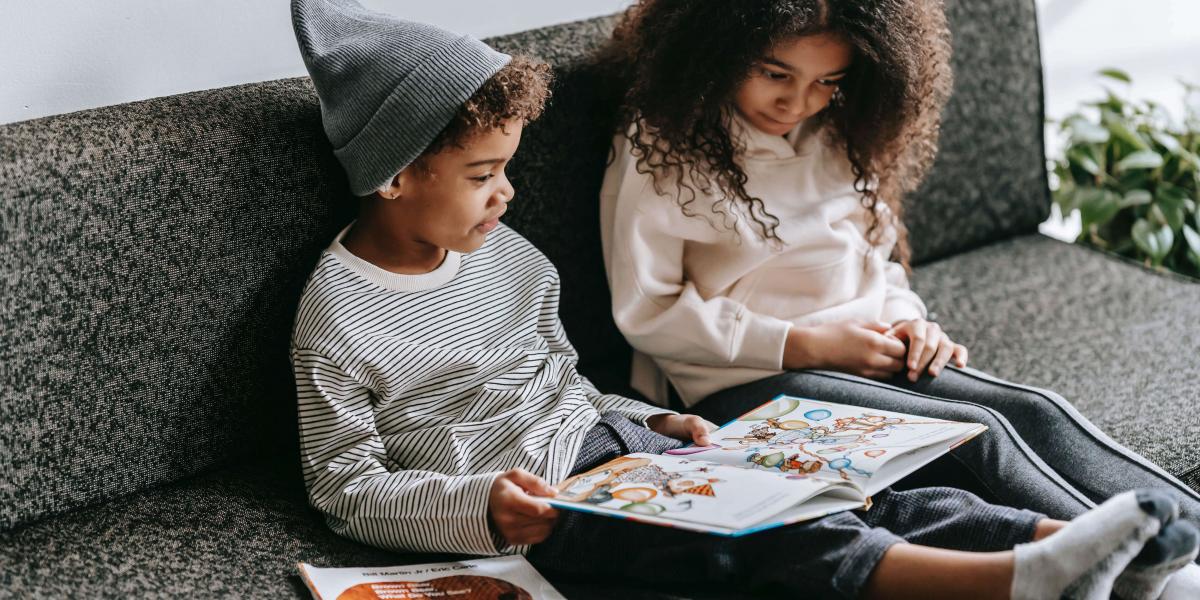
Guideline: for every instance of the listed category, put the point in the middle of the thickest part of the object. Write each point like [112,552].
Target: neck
[391,250]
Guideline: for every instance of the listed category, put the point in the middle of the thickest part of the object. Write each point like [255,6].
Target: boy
[428,336]
[438,392]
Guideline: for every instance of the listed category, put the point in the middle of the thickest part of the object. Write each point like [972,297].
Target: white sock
[1175,547]
[1112,534]
[1183,585]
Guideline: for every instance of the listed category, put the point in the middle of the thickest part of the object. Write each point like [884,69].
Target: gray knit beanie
[387,86]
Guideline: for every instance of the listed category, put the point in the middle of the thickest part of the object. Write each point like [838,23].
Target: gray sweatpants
[1039,452]
[830,557]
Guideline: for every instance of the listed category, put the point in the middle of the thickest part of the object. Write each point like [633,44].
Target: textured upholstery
[235,533]
[152,255]
[1118,341]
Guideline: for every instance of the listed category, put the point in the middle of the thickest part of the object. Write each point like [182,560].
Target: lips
[788,124]
[490,224]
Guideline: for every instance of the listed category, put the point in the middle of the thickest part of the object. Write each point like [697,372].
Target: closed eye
[775,75]
[483,178]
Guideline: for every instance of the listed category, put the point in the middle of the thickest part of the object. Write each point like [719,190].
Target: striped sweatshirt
[416,391]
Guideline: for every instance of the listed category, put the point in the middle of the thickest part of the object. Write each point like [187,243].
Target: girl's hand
[929,348]
[514,510]
[856,347]
[689,428]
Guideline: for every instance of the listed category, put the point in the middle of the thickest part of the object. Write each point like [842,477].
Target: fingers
[917,331]
[945,351]
[889,346]
[960,355]
[935,339]
[875,374]
[885,364]
[529,482]
[699,430]
[878,327]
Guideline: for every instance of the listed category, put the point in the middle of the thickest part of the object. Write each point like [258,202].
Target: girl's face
[794,81]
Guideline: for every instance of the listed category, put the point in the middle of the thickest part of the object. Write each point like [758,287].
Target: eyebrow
[782,65]
[489,161]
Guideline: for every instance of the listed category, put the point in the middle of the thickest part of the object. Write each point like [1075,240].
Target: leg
[1000,459]
[825,558]
[1070,444]
[1084,558]
[905,572]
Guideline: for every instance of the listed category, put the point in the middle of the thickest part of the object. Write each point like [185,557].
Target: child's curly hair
[678,64]
[517,91]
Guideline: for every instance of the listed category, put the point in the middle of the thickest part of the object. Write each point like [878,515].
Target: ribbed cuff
[758,341]
[902,308]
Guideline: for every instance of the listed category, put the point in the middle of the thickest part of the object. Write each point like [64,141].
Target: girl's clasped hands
[873,349]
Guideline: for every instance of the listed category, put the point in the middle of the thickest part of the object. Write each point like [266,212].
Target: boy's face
[795,81]
[457,199]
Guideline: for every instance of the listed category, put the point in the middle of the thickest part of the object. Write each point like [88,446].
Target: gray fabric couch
[152,255]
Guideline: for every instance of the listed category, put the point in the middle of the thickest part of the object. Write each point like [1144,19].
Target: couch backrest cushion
[152,256]
[989,180]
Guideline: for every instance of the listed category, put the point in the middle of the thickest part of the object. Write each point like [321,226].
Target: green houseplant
[1133,172]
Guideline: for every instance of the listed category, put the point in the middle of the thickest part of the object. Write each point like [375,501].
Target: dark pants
[830,557]
[1038,453]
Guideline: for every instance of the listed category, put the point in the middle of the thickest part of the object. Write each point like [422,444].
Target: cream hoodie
[710,307]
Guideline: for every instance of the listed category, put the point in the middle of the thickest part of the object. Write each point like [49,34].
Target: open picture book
[789,460]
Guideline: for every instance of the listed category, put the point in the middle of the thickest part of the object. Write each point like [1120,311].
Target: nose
[506,192]
[801,102]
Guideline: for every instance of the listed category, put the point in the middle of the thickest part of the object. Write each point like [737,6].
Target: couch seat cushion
[1119,341]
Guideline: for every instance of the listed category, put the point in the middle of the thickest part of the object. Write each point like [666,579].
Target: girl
[749,214]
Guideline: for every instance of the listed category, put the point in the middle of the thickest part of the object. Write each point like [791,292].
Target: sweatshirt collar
[764,146]
[395,281]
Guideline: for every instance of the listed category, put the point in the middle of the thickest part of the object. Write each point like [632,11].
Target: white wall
[1156,41]
[59,56]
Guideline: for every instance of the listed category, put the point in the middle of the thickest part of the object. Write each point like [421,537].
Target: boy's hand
[689,428]
[856,347]
[514,510]
[929,348]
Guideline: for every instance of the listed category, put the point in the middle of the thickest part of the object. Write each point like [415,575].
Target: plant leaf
[1154,240]
[1117,74]
[1142,159]
[1192,238]
[1136,198]
[1170,201]
[1079,157]
[1087,132]
[1193,245]
[1096,206]
[1167,141]
[1120,129]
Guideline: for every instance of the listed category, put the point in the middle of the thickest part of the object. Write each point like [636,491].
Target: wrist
[799,352]
[656,422]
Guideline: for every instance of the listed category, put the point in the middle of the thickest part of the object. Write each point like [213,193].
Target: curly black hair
[679,63]
[519,90]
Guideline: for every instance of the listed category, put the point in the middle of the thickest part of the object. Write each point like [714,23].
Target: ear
[394,188]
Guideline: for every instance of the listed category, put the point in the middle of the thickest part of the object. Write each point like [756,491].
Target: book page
[503,578]
[685,492]
[800,439]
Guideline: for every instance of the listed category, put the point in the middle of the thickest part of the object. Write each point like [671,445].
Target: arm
[551,329]
[663,314]
[900,303]
[343,460]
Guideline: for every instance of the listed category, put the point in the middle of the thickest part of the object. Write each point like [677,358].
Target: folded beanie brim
[416,111]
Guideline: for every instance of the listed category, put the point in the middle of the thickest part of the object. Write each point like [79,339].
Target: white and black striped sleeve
[347,476]
[556,339]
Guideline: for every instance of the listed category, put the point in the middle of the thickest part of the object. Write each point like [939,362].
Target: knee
[1036,406]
